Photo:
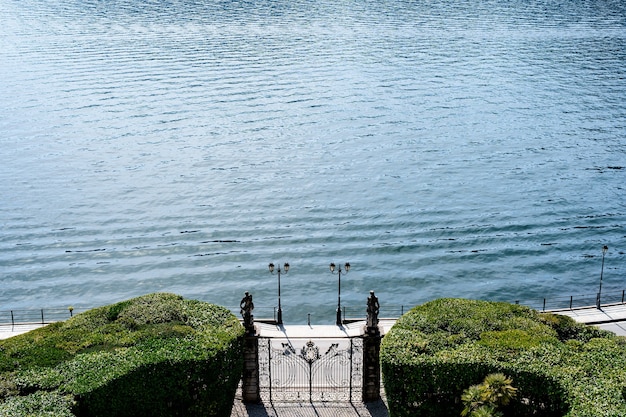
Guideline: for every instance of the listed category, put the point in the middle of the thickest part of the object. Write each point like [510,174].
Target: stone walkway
[609,317]
[375,409]
[315,331]
[7,330]
[310,409]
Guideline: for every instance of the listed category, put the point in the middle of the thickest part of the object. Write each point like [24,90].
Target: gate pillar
[250,390]
[371,365]
[371,352]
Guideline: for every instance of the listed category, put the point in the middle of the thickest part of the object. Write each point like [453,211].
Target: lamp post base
[339,321]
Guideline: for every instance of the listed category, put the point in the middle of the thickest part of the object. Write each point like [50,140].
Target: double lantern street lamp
[279,316]
[345,270]
[332,271]
[605,248]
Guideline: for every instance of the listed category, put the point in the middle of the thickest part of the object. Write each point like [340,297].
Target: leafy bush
[40,403]
[560,367]
[156,355]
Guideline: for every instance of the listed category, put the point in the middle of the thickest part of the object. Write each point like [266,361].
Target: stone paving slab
[318,331]
[310,409]
[617,328]
[610,317]
[8,330]
[377,409]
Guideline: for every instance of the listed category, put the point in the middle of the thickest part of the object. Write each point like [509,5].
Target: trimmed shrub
[156,355]
[40,403]
[560,367]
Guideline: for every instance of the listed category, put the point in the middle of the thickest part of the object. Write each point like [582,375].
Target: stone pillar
[250,390]
[371,364]
[371,352]
[250,379]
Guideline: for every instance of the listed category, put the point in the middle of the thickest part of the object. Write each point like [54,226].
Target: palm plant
[486,411]
[482,400]
[498,389]
[472,399]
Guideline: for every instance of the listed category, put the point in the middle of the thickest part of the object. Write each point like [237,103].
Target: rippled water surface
[450,148]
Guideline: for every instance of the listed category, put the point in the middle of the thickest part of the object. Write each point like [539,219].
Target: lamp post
[605,248]
[279,316]
[332,271]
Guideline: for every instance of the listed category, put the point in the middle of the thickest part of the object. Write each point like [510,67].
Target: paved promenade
[314,332]
[609,317]
[376,409]
[6,330]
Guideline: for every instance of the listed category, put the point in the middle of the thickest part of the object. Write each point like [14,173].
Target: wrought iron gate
[304,370]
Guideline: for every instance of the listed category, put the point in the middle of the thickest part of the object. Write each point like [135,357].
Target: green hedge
[560,367]
[156,355]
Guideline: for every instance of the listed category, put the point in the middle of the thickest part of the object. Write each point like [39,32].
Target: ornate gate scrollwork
[311,353]
[305,374]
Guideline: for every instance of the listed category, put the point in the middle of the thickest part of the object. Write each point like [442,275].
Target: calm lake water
[443,148]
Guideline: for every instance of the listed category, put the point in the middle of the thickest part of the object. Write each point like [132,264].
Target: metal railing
[349,313]
[37,316]
[576,301]
[542,304]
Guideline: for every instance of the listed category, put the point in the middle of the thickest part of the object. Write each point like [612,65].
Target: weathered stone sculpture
[247,306]
[373,308]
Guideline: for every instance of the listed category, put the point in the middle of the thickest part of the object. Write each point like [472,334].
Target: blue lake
[444,149]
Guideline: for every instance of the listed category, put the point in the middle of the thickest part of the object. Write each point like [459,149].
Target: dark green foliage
[560,367]
[156,355]
[40,403]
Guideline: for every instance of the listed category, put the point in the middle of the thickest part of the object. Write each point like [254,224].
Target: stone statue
[247,306]
[372,310]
